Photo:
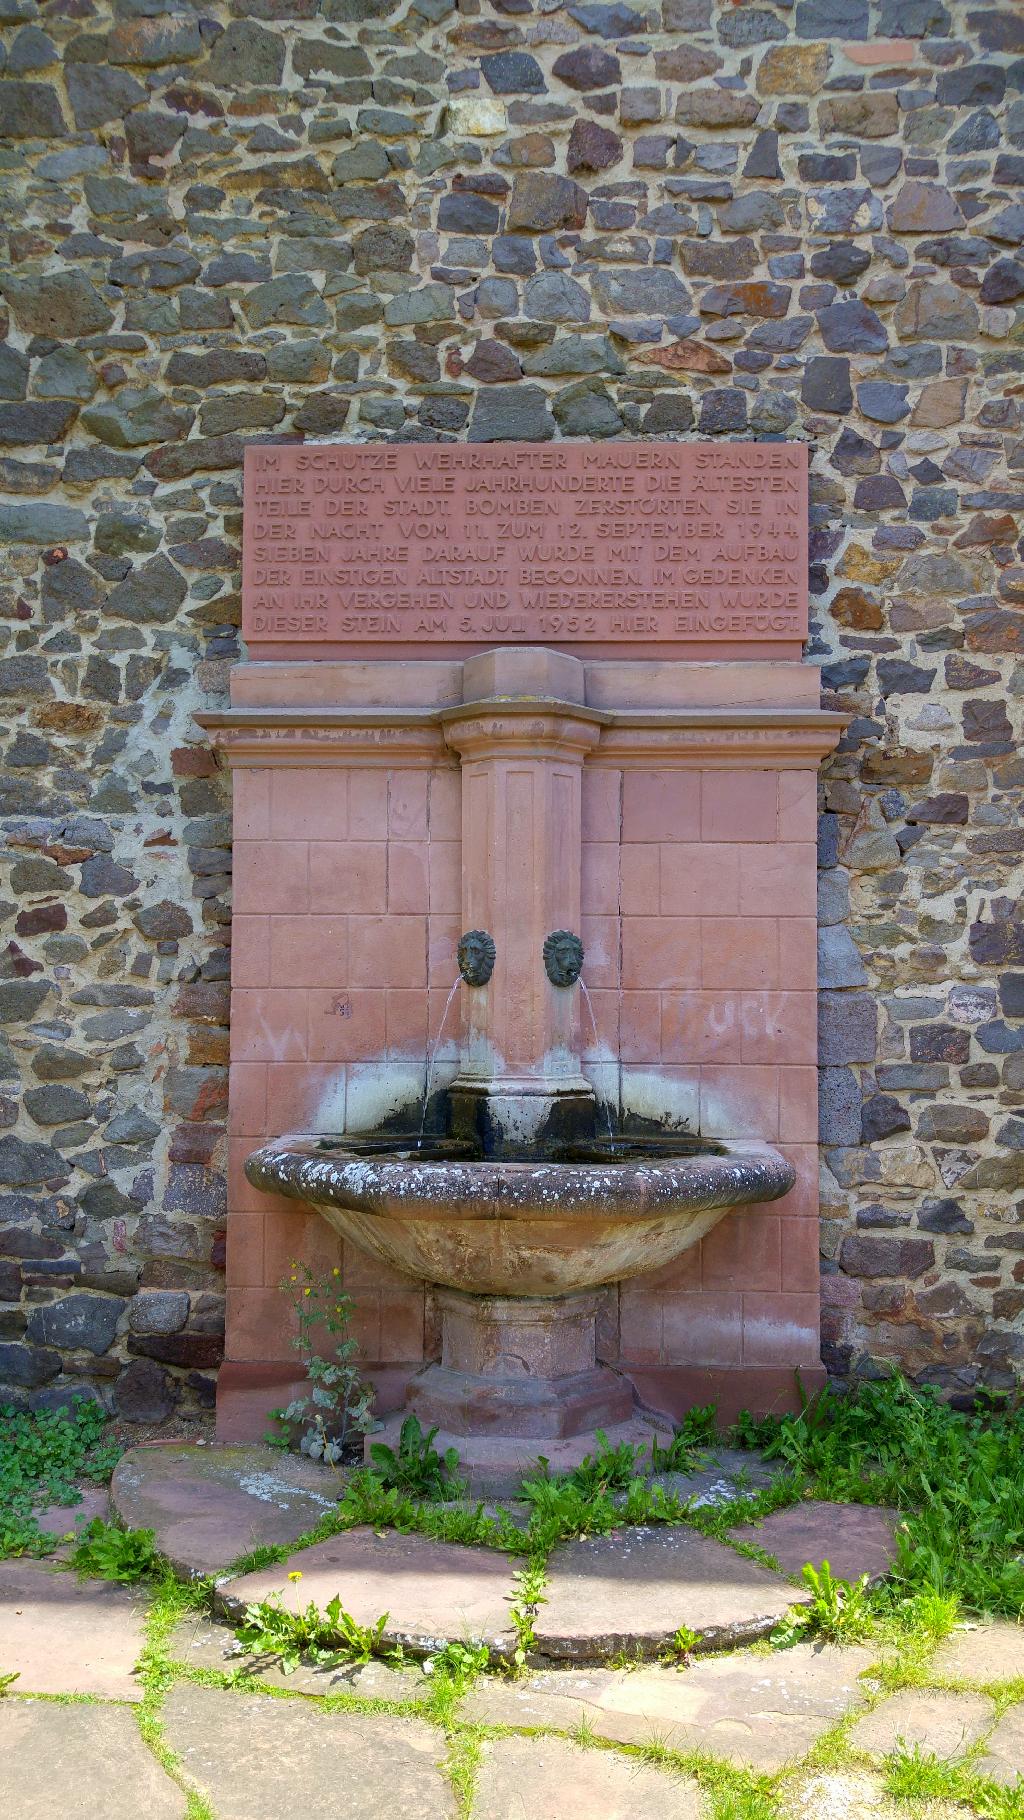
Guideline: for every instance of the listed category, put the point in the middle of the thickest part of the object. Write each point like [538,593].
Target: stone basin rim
[744,1173]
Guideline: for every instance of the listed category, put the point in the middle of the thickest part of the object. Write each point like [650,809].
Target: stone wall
[520,220]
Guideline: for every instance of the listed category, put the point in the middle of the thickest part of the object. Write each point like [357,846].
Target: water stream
[603,1103]
[432,1057]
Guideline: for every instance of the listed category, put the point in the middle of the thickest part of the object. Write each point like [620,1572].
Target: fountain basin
[542,1228]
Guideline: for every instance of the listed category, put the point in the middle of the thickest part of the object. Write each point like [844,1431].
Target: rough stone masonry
[502,219]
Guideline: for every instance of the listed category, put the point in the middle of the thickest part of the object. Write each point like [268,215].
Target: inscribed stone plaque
[621,548]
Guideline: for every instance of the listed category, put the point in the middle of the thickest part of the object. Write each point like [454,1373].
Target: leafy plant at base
[460,1663]
[416,1466]
[696,1433]
[839,1611]
[42,1453]
[105,1551]
[608,1468]
[323,1637]
[529,1585]
[339,1404]
[956,1477]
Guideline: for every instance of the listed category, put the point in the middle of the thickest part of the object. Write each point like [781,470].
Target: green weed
[324,1637]
[415,1465]
[42,1454]
[339,1404]
[838,1611]
[105,1551]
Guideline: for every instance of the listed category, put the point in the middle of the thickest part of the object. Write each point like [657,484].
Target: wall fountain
[595,1207]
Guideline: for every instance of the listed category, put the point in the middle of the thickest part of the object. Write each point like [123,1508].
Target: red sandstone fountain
[390,801]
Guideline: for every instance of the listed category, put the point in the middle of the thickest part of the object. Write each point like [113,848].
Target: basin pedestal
[518,1377]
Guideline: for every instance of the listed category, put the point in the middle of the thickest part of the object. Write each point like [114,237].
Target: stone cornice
[679,738]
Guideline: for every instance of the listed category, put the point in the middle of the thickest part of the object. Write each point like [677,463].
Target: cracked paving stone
[69,1636]
[944,1724]
[258,1758]
[209,1505]
[854,1539]
[81,1763]
[633,1589]
[1004,1750]
[755,1710]
[433,1592]
[550,1779]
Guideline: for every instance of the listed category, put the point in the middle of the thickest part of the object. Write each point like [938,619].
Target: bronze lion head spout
[563,957]
[476,956]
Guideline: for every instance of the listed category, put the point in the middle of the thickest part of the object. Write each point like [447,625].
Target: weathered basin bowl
[521,1229]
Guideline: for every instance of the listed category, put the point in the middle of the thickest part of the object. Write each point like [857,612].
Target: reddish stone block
[743,1252]
[367,804]
[250,805]
[307,1096]
[250,950]
[444,864]
[641,1320]
[348,876]
[270,877]
[701,880]
[660,951]
[779,1026]
[308,950]
[780,880]
[388,950]
[601,803]
[700,1027]
[346,1026]
[704,1329]
[780,1329]
[247,1099]
[798,953]
[798,805]
[444,806]
[405,1022]
[739,1102]
[600,936]
[739,805]
[599,878]
[640,880]
[801,1254]
[407,805]
[309,804]
[639,1026]
[798,1104]
[245,1243]
[739,952]
[660,806]
[268,1026]
[408,890]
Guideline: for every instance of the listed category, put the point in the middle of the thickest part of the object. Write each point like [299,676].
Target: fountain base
[518,1378]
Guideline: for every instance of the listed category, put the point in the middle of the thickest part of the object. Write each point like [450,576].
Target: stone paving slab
[723,1473]
[1004,1750]
[209,1505]
[258,1758]
[852,1795]
[983,1653]
[944,1724]
[199,1644]
[65,1519]
[758,1711]
[854,1539]
[68,1636]
[633,1589]
[79,1763]
[550,1779]
[432,1591]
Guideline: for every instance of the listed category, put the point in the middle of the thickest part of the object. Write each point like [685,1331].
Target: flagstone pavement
[79,1741]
